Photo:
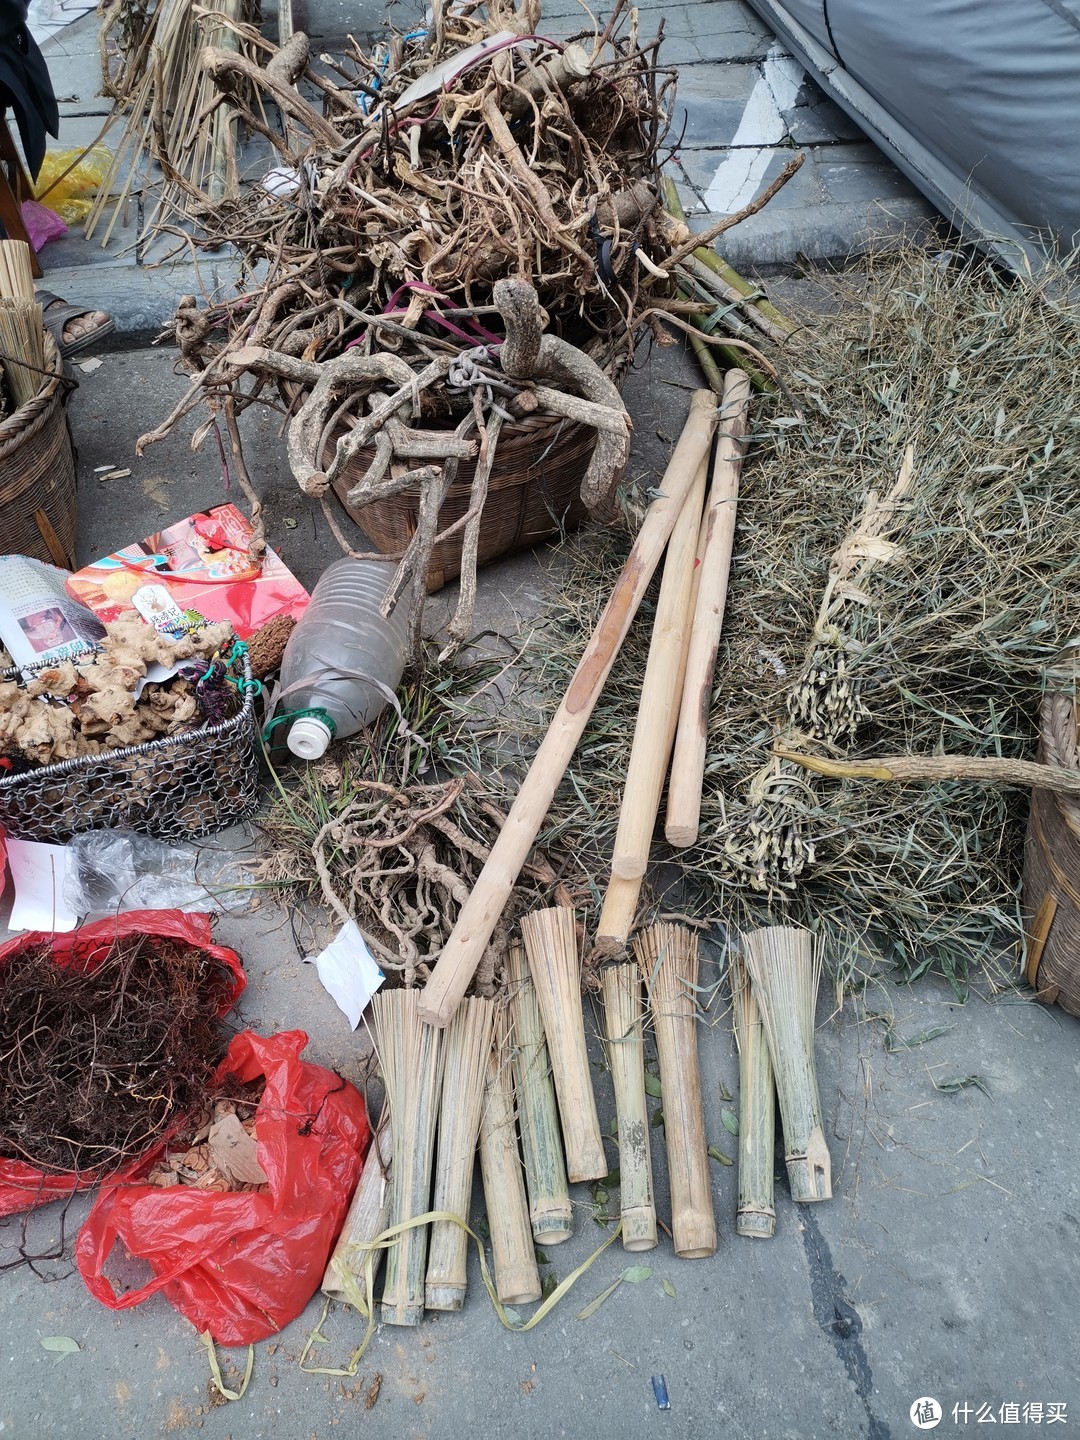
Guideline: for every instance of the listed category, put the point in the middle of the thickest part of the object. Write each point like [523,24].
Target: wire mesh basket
[176,788]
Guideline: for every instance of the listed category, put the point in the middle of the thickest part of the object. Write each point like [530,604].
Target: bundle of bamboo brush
[22,333]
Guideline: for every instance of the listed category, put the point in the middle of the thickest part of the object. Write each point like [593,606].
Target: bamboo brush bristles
[468,1048]
[22,348]
[551,944]
[16,276]
[517,1280]
[411,1058]
[368,1217]
[785,970]
[538,1116]
[757,1110]
[668,956]
[623,1017]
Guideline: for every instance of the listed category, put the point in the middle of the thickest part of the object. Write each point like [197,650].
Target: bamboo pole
[411,1057]
[651,746]
[517,1280]
[538,1116]
[623,1017]
[668,956]
[551,946]
[480,913]
[756,1215]
[688,761]
[368,1217]
[468,1048]
[785,970]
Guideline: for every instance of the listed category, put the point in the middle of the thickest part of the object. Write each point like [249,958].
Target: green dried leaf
[725,1093]
[894,1042]
[669,1289]
[717,1154]
[731,1121]
[962,1082]
[634,1274]
[652,1086]
[549,1284]
[541,1258]
[61,1345]
[600,1195]
[657,1118]
[594,1305]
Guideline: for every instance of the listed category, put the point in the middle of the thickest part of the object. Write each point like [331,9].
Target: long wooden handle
[480,913]
[651,748]
[688,762]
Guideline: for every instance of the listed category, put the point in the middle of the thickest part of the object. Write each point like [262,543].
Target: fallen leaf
[731,1121]
[717,1154]
[669,1289]
[652,1086]
[61,1344]
[633,1274]
[290,522]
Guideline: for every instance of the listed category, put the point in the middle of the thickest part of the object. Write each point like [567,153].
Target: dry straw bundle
[517,1279]
[757,1110]
[925,617]
[367,1218]
[22,336]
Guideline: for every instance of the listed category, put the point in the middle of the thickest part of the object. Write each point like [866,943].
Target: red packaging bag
[243,1265]
[23,1186]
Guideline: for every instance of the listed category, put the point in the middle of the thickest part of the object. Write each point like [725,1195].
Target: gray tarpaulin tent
[976,101]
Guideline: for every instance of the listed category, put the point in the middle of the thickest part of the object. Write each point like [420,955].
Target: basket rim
[30,416]
[61,768]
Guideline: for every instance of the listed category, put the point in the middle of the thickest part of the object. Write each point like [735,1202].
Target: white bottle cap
[308,737]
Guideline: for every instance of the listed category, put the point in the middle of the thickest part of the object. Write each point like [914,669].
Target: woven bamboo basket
[37,473]
[1052,868]
[532,495]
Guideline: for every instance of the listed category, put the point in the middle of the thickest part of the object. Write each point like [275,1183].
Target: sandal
[57,312]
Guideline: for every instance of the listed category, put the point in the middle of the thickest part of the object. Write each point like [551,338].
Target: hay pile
[952,604]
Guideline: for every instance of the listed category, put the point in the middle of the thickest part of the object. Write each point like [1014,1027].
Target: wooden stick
[551,946]
[468,1049]
[688,762]
[931,769]
[757,1110]
[623,1015]
[411,1058]
[517,1280]
[368,1217]
[538,1116]
[759,202]
[478,916]
[651,747]
[668,956]
[785,970]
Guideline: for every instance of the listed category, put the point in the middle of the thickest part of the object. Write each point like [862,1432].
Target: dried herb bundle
[99,1061]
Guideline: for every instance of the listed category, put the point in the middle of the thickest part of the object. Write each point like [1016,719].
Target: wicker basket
[37,473]
[1052,868]
[532,495]
[182,786]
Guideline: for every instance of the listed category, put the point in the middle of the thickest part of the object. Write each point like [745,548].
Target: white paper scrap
[38,872]
[349,972]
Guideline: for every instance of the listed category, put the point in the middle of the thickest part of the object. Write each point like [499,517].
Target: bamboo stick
[651,748]
[623,1017]
[551,946]
[538,1117]
[222,179]
[480,913]
[688,761]
[785,970]
[620,907]
[668,956]
[517,1280]
[468,1048]
[368,1217]
[411,1057]
[756,1215]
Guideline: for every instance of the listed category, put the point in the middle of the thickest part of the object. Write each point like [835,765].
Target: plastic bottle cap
[308,737]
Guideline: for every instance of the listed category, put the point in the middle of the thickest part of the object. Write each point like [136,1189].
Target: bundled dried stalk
[411,1059]
[785,970]
[552,947]
[517,1280]
[468,1049]
[668,956]
[367,1218]
[623,1021]
[757,1110]
[538,1117]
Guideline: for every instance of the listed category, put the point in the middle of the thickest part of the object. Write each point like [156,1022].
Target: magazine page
[40,624]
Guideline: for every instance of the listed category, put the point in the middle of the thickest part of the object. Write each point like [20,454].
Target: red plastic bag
[243,1265]
[23,1186]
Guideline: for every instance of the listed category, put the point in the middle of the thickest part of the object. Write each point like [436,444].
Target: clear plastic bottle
[338,648]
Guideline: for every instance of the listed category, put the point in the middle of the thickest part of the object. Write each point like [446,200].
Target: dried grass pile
[100,1060]
[905,581]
